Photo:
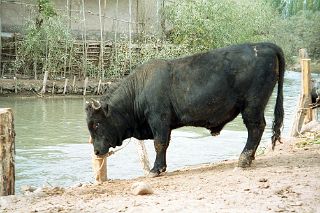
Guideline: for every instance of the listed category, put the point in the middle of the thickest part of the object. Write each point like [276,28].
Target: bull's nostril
[96,152]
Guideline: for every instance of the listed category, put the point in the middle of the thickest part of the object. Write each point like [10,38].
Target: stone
[141,188]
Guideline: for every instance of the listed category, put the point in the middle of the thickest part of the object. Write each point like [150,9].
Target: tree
[292,7]
[202,24]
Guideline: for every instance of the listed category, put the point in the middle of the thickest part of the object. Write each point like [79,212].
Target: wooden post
[15,85]
[306,83]
[99,85]
[65,86]
[44,84]
[85,86]
[130,33]
[116,32]
[70,59]
[99,165]
[84,39]
[304,112]
[101,43]
[143,156]
[35,69]
[0,39]
[74,84]
[53,85]
[7,152]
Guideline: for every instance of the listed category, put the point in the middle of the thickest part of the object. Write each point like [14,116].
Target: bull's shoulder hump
[153,64]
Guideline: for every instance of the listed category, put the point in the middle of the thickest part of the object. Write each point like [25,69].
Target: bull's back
[213,87]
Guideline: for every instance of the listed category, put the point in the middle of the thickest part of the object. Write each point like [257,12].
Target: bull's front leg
[160,164]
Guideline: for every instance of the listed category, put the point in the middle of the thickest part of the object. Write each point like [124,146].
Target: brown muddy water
[52,141]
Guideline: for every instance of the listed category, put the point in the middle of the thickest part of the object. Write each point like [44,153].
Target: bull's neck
[123,100]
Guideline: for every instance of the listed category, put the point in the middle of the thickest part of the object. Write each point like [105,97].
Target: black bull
[205,90]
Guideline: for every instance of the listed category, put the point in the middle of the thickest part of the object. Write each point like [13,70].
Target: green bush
[202,25]
[47,42]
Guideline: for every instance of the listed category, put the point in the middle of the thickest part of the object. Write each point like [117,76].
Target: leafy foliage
[46,42]
[202,25]
[299,31]
[193,26]
[292,7]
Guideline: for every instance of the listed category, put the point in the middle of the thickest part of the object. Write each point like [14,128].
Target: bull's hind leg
[255,123]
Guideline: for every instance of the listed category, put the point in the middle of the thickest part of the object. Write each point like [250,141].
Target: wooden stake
[84,39]
[116,32]
[0,40]
[44,84]
[65,86]
[306,83]
[99,165]
[99,85]
[74,84]
[85,86]
[35,69]
[69,14]
[15,85]
[143,156]
[304,112]
[7,152]
[53,85]
[70,59]
[129,29]
[101,42]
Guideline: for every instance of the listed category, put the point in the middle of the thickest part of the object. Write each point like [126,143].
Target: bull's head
[106,127]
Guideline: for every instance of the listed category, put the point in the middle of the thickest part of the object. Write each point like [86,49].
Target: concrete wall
[16,14]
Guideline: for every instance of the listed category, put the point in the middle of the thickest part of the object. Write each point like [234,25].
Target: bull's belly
[208,117]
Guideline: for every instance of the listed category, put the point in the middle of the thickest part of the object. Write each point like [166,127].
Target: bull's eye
[95,126]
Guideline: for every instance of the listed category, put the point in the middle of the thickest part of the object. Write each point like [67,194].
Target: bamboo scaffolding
[86,55]
[103,24]
[65,86]
[116,32]
[70,11]
[0,38]
[85,40]
[101,43]
[129,29]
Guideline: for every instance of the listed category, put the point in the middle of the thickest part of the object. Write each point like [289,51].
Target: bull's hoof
[215,133]
[153,174]
[245,160]
[156,172]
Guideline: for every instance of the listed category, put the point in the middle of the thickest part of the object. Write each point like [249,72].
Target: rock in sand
[141,188]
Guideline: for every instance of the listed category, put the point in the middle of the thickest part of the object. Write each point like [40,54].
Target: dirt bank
[286,180]
[28,87]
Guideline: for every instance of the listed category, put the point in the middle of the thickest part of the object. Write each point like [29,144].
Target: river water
[52,141]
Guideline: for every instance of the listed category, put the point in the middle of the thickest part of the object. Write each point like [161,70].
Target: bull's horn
[95,104]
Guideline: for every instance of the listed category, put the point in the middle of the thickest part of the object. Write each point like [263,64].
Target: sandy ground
[286,180]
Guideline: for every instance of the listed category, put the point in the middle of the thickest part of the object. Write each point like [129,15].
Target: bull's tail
[278,110]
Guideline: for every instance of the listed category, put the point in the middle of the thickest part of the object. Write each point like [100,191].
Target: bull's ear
[88,106]
[105,109]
